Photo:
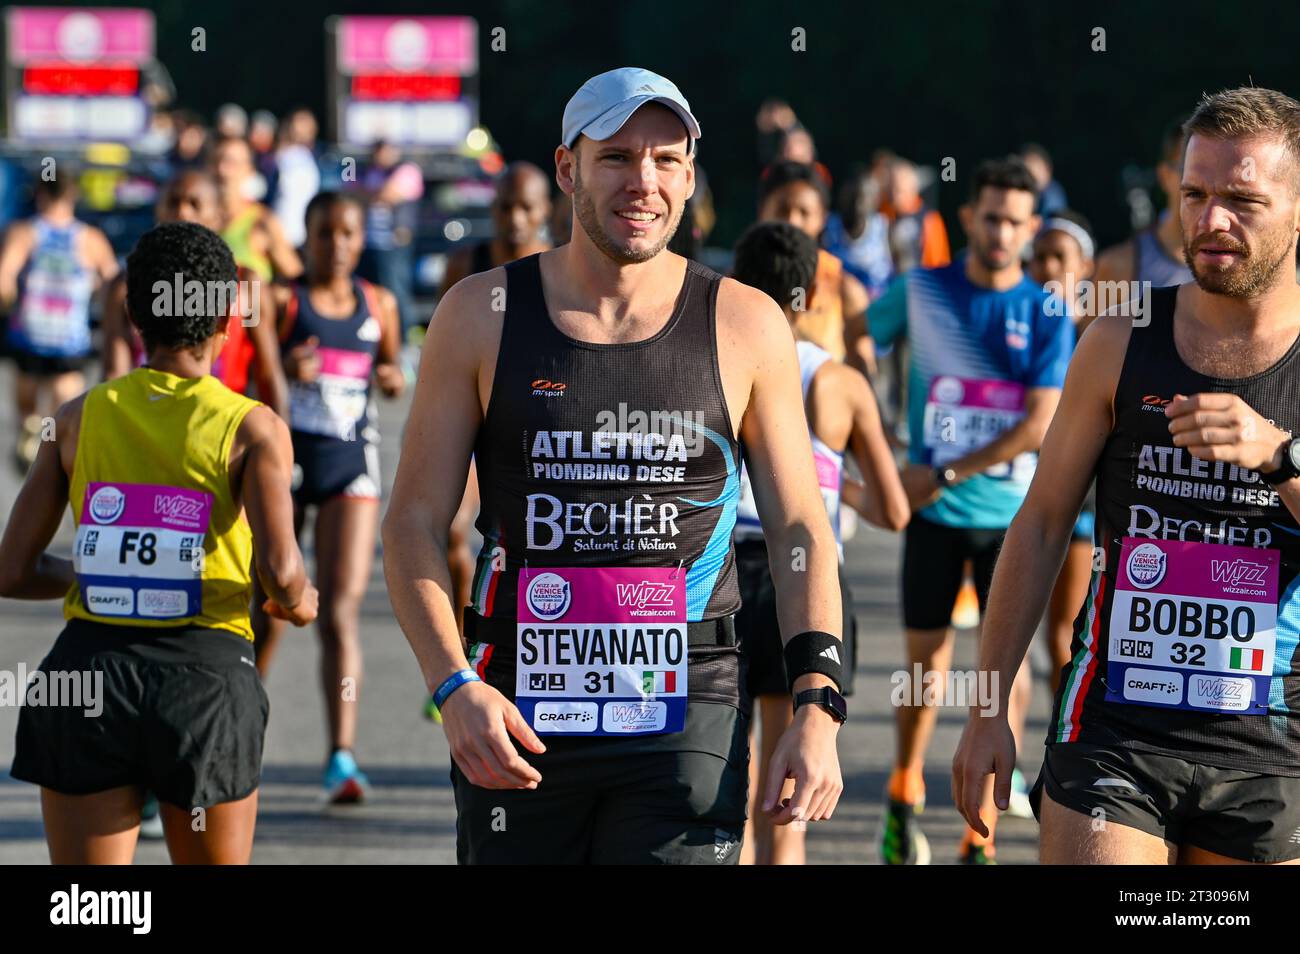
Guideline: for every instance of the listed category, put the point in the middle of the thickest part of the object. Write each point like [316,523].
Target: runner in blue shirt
[989,348]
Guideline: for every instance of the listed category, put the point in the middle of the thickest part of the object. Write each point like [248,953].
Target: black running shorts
[47,366]
[325,467]
[1238,814]
[933,555]
[180,711]
[598,803]
[759,633]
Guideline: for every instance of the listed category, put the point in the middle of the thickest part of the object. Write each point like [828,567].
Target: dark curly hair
[1007,173]
[179,252]
[328,199]
[783,172]
[776,258]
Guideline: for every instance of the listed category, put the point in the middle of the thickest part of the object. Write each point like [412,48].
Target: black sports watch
[1290,464]
[945,476]
[827,698]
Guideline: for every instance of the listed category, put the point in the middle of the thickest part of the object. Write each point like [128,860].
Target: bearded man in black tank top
[1177,721]
[597,713]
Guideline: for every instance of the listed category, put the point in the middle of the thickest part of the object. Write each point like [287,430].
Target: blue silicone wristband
[452,683]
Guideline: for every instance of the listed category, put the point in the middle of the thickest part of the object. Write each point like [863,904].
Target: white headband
[1074,230]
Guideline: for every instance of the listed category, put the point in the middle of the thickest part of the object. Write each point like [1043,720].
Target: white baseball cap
[604,103]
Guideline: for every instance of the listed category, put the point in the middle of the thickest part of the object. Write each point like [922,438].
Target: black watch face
[835,702]
[827,697]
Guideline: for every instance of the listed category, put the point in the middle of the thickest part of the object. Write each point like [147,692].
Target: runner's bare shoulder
[469,317]
[750,320]
[1099,357]
[260,426]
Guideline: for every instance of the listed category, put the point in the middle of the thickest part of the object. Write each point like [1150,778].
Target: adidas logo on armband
[831,653]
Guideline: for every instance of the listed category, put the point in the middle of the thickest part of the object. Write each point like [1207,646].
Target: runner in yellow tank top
[255,236]
[239,234]
[177,486]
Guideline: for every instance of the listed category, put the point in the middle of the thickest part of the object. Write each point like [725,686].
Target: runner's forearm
[420,589]
[283,578]
[1290,494]
[804,562]
[1027,435]
[49,579]
[1027,567]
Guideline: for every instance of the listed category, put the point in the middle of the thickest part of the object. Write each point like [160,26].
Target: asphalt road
[411,816]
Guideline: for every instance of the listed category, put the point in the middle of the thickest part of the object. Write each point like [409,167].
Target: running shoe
[902,842]
[976,855]
[345,783]
[1018,805]
[151,826]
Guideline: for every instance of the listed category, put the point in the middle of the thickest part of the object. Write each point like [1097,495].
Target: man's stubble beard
[1257,273]
[584,213]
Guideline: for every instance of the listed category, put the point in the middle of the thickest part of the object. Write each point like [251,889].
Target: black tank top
[337,403]
[480,258]
[607,454]
[1175,650]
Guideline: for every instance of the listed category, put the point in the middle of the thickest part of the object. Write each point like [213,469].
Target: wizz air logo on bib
[645,594]
[1239,576]
[177,507]
[1236,572]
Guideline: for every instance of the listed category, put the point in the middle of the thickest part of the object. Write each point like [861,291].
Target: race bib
[963,415]
[333,403]
[139,550]
[1193,626]
[602,650]
[829,470]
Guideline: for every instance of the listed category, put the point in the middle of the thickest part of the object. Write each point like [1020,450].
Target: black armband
[814,651]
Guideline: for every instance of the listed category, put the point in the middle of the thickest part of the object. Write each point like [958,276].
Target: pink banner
[344,363]
[146,505]
[1204,570]
[436,44]
[79,35]
[967,392]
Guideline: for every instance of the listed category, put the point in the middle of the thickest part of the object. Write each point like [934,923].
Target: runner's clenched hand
[1223,427]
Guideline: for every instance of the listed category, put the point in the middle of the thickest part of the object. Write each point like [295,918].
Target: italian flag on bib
[1250,660]
[652,681]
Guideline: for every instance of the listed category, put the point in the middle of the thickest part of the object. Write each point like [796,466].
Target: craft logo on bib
[549,596]
[1146,566]
[948,390]
[107,504]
